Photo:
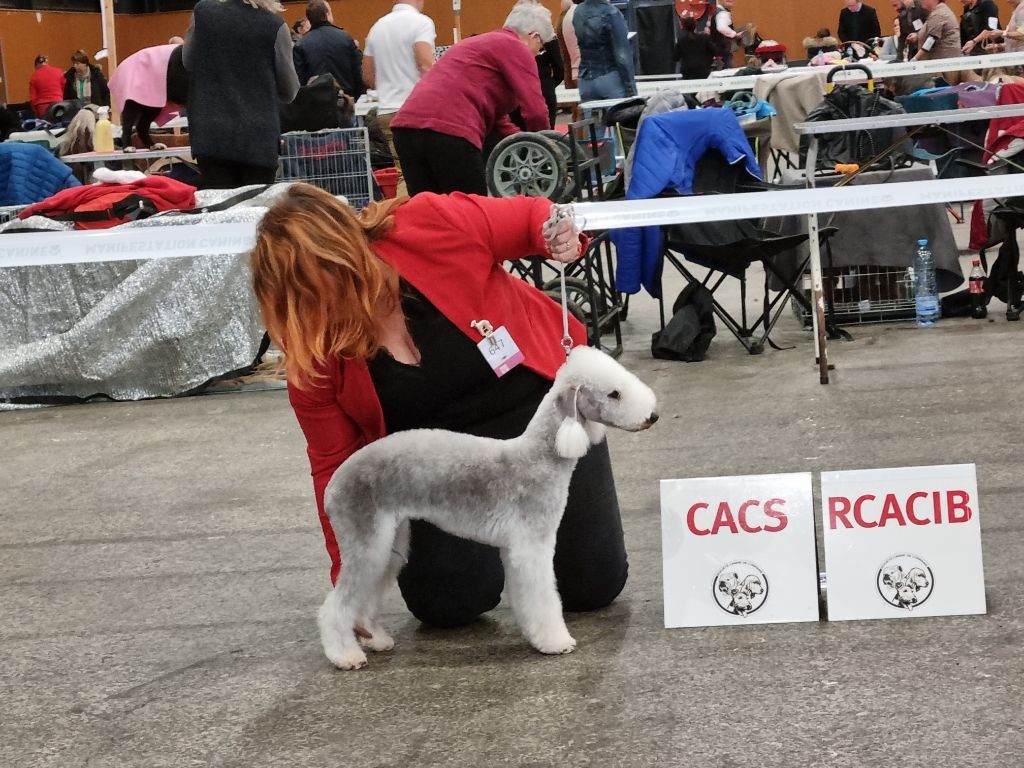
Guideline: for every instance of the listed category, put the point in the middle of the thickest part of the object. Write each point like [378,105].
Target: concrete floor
[161,564]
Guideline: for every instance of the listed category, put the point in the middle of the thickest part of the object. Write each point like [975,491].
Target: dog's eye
[614,395]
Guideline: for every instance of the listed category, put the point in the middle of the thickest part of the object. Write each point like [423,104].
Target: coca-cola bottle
[976,283]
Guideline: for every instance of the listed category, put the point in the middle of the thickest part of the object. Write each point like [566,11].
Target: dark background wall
[26,33]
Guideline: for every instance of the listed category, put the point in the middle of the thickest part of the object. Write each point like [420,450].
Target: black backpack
[689,332]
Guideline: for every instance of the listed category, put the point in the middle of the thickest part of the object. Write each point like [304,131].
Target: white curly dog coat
[510,494]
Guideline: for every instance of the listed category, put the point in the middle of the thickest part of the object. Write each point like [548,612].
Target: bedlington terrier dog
[510,494]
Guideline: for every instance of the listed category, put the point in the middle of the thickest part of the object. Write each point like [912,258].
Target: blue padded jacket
[665,154]
[29,173]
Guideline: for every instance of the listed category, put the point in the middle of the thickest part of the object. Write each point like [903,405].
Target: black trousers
[450,581]
[437,162]
[226,174]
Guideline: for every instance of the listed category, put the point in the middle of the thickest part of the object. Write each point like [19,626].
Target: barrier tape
[32,249]
[796,202]
[879,71]
[43,248]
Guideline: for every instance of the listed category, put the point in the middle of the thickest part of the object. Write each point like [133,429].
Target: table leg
[817,291]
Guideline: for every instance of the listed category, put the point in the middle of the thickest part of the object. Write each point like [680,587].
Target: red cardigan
[451,249]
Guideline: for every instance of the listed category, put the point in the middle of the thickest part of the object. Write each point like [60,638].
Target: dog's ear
[571,440]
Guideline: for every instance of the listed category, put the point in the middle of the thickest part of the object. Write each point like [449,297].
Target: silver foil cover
[130,329]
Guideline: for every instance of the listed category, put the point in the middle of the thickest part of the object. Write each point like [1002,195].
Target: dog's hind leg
[357,589]
[336,620]
[530,584]
[380,640]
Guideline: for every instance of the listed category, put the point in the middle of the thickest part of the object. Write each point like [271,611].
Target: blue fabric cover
[665,154]
[29,173]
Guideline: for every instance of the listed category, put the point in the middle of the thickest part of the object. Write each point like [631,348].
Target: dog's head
[594,392]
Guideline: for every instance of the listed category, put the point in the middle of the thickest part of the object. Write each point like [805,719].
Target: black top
[551,70]
[99,92]
[975,20]
[453,387]
[695,52]
[330,50]
[860,26]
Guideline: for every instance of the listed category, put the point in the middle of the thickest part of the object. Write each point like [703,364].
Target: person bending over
[377,315]
[465,97]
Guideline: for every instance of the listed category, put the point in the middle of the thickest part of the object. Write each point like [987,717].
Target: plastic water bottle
[976,282]
[926,294]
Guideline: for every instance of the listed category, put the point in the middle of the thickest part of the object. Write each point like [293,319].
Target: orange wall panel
[25,34]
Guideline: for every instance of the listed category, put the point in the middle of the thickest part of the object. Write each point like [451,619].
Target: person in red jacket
[45,87]
[466,97]
[377,315]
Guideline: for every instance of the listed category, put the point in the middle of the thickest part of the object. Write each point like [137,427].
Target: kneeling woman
[375,313]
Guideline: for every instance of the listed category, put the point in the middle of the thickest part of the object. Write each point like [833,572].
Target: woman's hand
[563,240]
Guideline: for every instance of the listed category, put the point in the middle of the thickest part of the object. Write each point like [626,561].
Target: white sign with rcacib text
[739,550]
[902,542]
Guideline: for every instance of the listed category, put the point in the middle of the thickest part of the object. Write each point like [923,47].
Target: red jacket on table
[450,248]
[471,90]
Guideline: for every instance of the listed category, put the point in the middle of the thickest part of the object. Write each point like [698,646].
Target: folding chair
[706,152]
[729,248]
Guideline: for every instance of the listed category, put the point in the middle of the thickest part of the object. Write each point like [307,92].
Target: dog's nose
[652,418]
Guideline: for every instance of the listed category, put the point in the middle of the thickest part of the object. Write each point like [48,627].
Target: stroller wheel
[562,141]
[528,164]
[576,293]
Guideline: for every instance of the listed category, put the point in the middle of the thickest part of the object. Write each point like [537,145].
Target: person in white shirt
[399,49]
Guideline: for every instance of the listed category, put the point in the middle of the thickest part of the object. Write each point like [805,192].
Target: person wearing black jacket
[975,25]
[85,82]
[329,50]
[858,22]
[694,51]
[551,69]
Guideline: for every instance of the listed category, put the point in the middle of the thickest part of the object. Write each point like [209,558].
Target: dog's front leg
[530,584]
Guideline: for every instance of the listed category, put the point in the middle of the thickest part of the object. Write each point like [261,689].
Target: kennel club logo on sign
[740,588]
[738,550]
[902,542]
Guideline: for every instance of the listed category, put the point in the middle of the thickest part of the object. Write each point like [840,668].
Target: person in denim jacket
[606,56]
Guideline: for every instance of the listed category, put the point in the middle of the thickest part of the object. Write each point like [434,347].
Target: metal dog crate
[863,294]
[335,159]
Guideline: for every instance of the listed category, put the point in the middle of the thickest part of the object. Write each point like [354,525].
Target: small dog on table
[149,86]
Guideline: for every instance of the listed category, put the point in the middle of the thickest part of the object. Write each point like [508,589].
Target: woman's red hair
[322,289]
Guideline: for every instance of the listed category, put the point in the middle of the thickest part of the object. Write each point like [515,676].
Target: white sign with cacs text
[739,550]
[902,542]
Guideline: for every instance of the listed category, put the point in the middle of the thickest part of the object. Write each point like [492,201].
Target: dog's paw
[556,644]
[352,659]
[381,641]
[159,145]
[129,150]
